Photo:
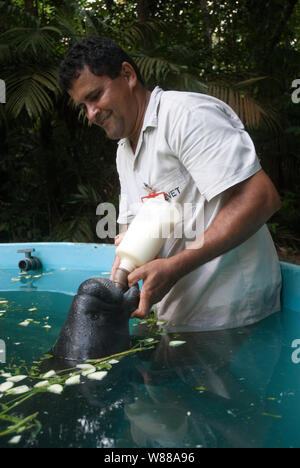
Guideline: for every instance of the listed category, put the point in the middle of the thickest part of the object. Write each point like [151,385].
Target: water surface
[233,388]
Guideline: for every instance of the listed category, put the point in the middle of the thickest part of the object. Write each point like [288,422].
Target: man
[194,148]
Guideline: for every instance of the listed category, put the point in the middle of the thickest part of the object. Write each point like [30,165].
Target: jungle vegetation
[55,168]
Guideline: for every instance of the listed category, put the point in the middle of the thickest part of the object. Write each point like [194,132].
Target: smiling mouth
[102,121]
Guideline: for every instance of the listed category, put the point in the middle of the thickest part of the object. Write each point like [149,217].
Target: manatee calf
[97,324]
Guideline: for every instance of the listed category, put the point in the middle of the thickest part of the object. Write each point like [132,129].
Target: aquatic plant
[13,397]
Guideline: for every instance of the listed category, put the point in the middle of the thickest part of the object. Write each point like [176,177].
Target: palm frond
[14,15]
[86,195]
[34,39]
[29,90]
[71,26]
[251,113]
[5,54]
[155,67]
[139,35]
[189,82]
[250,82]
[166,73]
[76,22]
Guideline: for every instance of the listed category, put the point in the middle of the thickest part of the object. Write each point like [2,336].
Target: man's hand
[118,240]
[114,267]
[158,278]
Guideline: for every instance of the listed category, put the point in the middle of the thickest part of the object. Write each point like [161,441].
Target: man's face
[108,102]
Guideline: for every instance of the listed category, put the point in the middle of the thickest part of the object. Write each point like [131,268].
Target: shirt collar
[151,114]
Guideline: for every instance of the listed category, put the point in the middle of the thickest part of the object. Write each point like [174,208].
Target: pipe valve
[29,262]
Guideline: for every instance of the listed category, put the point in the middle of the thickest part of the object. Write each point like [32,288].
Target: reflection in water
[209,392]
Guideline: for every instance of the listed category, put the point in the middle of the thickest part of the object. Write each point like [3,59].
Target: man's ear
[128,72]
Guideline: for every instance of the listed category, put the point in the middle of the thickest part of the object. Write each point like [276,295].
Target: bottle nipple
[121,279]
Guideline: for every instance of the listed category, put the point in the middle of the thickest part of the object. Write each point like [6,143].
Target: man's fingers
[114,268]
[138,314]
[144,307]
[135,277]
[118,239]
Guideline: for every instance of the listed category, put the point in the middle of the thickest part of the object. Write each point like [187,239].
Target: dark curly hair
[102,55]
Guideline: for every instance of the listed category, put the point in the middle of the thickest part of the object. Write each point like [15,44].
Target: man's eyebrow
[89,95]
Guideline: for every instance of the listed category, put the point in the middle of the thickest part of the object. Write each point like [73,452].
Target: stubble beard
[115,127]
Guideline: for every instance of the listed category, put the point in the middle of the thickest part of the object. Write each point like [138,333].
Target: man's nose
[91,112]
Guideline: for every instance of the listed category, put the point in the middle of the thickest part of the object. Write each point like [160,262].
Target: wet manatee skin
[97,323]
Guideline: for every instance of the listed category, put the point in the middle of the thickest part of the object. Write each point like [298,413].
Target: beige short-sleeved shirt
[193,147]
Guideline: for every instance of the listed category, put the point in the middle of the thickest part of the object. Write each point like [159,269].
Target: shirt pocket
[172,183]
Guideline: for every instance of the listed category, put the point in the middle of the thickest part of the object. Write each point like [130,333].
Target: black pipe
[29,262]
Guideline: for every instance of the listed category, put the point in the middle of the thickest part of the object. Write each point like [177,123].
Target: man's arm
[248,207]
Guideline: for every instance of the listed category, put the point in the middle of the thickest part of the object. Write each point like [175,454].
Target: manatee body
[97,324]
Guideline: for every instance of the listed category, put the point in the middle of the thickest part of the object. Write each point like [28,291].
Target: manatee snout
[109,296]
[97,324]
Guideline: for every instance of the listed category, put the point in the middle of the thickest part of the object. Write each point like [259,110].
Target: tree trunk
[31,7]
[49,172]
[206,24]
[142,10]
[109,5]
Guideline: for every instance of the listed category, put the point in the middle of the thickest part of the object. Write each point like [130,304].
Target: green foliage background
[55,168]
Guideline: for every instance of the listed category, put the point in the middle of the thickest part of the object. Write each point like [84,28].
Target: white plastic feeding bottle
[146,235]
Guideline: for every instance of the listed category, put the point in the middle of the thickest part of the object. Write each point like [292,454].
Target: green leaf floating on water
[276,416]
[11,397]
[175,343]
